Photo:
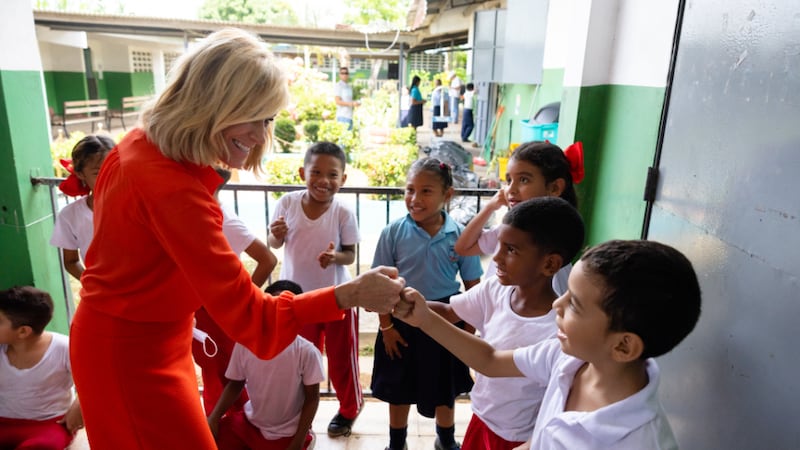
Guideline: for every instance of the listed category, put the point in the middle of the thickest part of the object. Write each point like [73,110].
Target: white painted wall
[16,26]
[645,31]
[60,58]
[112,55]
[623,42]
[560,26]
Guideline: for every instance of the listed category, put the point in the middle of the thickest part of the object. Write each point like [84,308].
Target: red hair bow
[72,186]
[574,154]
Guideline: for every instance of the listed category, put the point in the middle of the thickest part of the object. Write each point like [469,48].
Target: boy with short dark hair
[320,234]
[284,395]
[37,408]
[514,309]
[628,301]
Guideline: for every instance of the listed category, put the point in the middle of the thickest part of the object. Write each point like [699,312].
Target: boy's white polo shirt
[635,423]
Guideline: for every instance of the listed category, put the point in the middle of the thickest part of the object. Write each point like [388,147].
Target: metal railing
[391,209]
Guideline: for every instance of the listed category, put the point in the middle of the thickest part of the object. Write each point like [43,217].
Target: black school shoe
[437,445]
[340,426]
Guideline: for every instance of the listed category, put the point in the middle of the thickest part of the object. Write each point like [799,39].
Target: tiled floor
[370,432]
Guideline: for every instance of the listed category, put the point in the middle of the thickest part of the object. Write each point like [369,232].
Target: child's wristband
[391,325]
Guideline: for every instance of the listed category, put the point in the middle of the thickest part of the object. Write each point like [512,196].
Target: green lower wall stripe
[619,128]
[26,221]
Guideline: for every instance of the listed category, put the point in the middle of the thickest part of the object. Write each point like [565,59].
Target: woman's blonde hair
[229,78]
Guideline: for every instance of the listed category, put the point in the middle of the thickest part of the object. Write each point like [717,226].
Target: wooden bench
[130,107]
[82,111]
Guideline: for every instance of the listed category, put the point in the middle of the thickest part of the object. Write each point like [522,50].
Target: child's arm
[310,405]
[229,395]
[277,232]
[444,310]
[265,261]
[73,418]
[467,243]
[330,256]
[72,262]
[474,351]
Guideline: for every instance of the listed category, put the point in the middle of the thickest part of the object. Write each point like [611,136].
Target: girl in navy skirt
[411,368]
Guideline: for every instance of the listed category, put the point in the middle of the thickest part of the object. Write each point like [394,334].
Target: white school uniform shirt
[236,232]
[345,92]
[275,386]
[488,243]
[508,406]
[74,227]
[634,423]
[307,238]
[40,392]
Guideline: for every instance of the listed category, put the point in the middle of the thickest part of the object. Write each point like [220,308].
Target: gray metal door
[728,197]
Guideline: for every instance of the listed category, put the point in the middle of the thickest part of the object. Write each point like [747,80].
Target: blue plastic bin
[539,132]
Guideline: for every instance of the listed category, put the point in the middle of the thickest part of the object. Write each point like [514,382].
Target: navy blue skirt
[427,374]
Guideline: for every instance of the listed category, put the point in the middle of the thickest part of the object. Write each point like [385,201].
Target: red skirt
[136,383]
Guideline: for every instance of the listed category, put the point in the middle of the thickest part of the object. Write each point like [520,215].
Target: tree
[275,12]
[368,12]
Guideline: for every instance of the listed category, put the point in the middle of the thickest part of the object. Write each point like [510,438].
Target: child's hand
[327,257]
[279,228]
[73,419]
[498,200]
[392,342]
[412,308]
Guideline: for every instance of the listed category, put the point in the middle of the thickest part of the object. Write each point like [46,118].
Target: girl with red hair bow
[535,169]
[75,222]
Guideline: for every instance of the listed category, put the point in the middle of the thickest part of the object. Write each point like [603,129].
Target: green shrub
[337,132]
[403,136]
[61,148]
[285,133]
[282,170]
[387,165]
[311,130]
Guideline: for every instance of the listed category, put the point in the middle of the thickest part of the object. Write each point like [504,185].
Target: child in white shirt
[284,395]
[628,302]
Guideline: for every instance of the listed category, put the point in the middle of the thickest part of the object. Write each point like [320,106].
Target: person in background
[415,108]
[468,122]
[284,395]
[159,253]
[438,99]
[628,302]
[343,96]
[214,364]
[455,95]
[320,234]
[405,105]
[409,367]
[37,408]
[75,225]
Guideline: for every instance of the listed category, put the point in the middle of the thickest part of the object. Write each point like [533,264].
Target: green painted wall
[118,85]
[531,98]
[64,86]
[618,126]
[26,220]
[142,83]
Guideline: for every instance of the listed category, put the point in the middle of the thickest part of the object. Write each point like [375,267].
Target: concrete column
[26,221]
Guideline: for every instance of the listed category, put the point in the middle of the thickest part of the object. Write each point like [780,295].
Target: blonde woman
[159,253]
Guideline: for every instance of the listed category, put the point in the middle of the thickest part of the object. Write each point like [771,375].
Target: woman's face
[241,138]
